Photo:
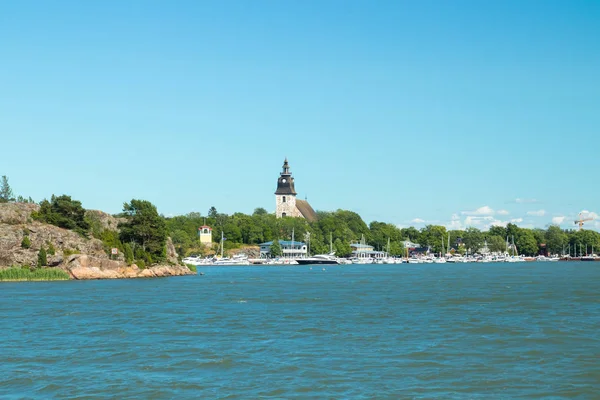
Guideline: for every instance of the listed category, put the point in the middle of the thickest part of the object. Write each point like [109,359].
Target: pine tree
[25,243]
[6,193]
[42,260]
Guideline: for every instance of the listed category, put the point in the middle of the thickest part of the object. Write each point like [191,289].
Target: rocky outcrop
[105,221]
[81,266]
[81,257]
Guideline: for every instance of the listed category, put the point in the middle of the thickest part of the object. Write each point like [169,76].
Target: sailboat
[238,259]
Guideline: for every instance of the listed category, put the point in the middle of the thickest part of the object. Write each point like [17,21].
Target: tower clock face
[283,180]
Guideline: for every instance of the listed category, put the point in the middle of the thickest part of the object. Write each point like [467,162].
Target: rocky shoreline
[81,266]
[81,258]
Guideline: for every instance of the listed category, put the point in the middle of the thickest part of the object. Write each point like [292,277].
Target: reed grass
[42,274]
[192,267]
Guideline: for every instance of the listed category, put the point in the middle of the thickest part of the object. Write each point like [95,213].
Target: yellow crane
[581,220]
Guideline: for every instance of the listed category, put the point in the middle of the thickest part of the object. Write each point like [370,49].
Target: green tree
[556,239]
[473,239]
[6,193]
[496,244]
[526,242]
[144,227]
[63,212]
[25,243]
[42,261]
[212,212]
[275,250]
[259,211]
[128,253]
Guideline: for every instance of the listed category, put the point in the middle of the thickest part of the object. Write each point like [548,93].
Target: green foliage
[25,274]
[526,242]
[63,212]
[473,240]
[42,260]
[69,252]
[26,243]
[6,193]
[145,228]
[128,253]
[141,264]
[51,250]
[275,250]
[192,267]
[496,244]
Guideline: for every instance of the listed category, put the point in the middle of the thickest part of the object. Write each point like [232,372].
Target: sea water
[463,331]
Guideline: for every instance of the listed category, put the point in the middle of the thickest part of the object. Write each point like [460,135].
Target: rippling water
[382,331]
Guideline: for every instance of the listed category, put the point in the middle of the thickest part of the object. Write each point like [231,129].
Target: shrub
[25,243]
[141,264]
[68,252]
[51,250]
[42,261]
[128,253]
[192,267]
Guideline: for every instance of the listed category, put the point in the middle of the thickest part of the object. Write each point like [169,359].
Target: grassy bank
[43,274]
[192,267]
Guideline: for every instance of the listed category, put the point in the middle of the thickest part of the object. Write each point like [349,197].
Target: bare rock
[103,220]
[81,266]
[16,213]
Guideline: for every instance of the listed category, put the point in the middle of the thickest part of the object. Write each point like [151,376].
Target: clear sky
[410,112]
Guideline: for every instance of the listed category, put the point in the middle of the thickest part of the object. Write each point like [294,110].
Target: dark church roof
[285,183]
[306,210]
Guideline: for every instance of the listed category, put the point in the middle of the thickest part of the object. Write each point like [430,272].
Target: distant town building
[410,245]
[362,250]
[205,233]
[289,249]
[286,204]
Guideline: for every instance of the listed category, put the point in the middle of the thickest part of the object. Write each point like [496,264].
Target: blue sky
[410,112]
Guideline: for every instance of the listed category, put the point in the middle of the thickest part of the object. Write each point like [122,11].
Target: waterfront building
[289,249]
[205,233]
[410,245]
[286,203]
[362,250]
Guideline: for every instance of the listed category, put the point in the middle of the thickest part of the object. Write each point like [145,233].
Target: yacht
[319,259]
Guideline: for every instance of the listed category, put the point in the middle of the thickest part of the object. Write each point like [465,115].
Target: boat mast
[331,242]
[222,244]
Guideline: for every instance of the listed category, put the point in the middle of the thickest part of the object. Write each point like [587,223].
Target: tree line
[340,228]
[143,236]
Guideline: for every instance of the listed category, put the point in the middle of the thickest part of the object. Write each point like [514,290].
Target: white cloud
[558,220]
[538,213]
[502,212]
[525,201]
[588,214]
[497,222]
[516,220]
[418,221]
[485,210]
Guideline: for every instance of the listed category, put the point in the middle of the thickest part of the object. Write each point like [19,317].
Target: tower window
[283,214]
[284,199]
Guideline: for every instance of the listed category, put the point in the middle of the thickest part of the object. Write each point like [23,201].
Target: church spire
[285,183]
[286,168]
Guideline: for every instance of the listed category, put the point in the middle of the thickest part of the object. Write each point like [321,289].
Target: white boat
[330,259]
[238,259]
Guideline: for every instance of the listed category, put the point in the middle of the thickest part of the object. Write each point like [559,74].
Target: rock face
[81,266]
[81,257]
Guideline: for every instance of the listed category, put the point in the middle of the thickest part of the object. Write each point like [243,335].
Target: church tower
[285,195]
